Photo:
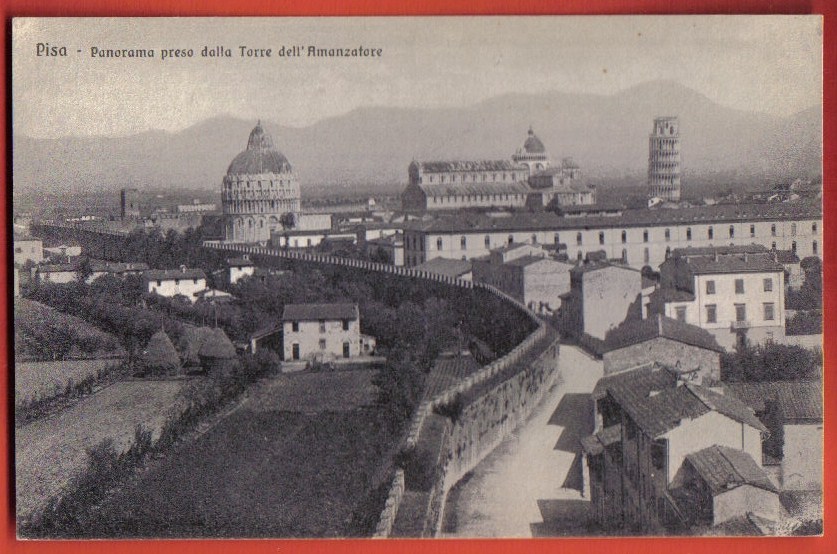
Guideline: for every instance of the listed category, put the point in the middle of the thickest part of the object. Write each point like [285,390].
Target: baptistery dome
[260,193]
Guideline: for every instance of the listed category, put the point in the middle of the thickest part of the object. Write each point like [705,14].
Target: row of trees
[770,362]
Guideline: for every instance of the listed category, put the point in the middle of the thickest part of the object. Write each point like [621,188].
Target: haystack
[217,350]
[160,354]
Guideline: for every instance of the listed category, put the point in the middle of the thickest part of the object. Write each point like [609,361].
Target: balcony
[744,324]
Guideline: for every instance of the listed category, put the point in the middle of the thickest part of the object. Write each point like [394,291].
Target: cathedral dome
[260,157]
[533,144]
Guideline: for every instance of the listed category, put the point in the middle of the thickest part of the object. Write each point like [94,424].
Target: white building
[729,294]
[28,248]
[173,282]
[323,332]
[526,273]
[239,268]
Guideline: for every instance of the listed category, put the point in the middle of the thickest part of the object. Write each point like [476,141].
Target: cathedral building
[260,192]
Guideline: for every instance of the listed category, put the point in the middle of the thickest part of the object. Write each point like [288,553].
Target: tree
[774,421]
[288,220]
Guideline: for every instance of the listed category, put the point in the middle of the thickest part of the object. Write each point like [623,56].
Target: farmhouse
[173,282]
[238,268]
[323,332]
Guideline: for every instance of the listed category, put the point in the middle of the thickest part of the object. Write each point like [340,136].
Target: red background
[12,8]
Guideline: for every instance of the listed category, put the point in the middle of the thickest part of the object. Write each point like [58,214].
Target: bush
[770,362]
[804,323]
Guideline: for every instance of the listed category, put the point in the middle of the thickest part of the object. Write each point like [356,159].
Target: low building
[119,269]
[651,426]
[389,248]
[175,282]
[56,273]
[561,186]
[729,293]
[238,268]
[800,405]
[27,248]
[602,296]
[196,207]
[527,273]
[66,252]
[691,350]
[323,332]
[453,269]
[309,239]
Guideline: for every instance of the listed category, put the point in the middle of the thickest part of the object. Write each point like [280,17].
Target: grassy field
[50,451]
[274,468]
[43,379]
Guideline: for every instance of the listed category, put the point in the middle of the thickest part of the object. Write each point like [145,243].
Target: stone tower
[532,154]
[664,159]
[129,203]
[260,192]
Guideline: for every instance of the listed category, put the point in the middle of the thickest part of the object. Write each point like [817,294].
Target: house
[688,348]
[454,269]
[729,292]
[118,269]
[27,248]
[390,247]
[56,273]
[66,253]
[526,273]
[794,275]
[239,267]
[800,405]
[649,423]
[175,282]
[323,332]
[602,296]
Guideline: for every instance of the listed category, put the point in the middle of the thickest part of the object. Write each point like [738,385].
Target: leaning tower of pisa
[664,159]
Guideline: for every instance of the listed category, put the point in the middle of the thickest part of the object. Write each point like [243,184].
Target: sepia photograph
[416,277]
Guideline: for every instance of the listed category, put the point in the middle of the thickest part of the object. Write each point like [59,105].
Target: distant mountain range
[607,136]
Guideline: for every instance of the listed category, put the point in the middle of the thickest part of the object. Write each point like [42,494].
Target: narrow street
[530,485]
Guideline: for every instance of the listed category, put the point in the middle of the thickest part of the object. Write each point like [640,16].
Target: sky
[769,64]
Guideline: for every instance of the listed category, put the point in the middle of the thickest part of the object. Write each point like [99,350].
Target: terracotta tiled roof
[798,400]
[723,468]
[634,332]
[644,378]
[316,312]
[446,266]
[171,274]
[743,263]
[240,262]
[670,294]
[693,251]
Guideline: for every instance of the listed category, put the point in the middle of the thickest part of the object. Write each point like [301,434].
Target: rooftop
[260,157]
[241,261]
[467,165]
[446,266]
[797,400]
[117,267]
[645,378]
[172,274]
[739,263]
[720,250]
[474,222]
[635,332]
[475,189]
[317,312]
[723,468]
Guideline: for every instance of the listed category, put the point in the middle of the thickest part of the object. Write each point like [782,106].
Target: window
[625,255]
[711,313]
[646,256]
[624,237]
[295,326]
[439,243]
[658,453]
[601,237]
[793,229]
[688,233]
[668,234]
[645,235]
[769,311]
[773,245]
[740,312]
[555,238]
[487,241]
[773,230]
[768,285]
[322,326]
[309,242]
[752,230]
[463,243]
[345,324]
[295,351]
[322,344]
[739,286]
[534,238]
[814,247]
[793,247]
[680,313]
[194,281]
[159,283]
[710,233]
[732,231]
[710,287]
[814,227]
[346,350]
[578,239]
